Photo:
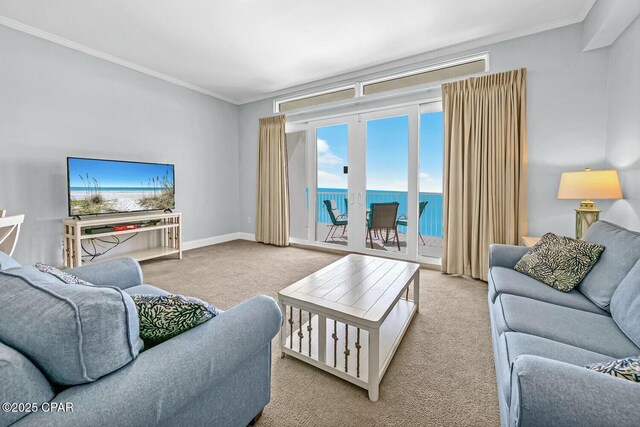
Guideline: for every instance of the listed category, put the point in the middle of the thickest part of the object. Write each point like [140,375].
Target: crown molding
[369,72]
[107,57]
[586,9]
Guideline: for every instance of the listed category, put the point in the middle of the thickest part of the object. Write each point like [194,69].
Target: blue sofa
[543,338]
[218,373]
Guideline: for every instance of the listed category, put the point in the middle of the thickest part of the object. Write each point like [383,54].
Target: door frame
[427,107]
[312,175]
[356,123]
[412,175]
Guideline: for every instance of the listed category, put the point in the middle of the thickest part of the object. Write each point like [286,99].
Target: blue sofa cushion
[21,382]
[621,253]
[121,272]
[628,368]
[558,261]
[7,262]
[625,305]
[513,344]
[508,281]
[74,334]
[163,317]
[590,331]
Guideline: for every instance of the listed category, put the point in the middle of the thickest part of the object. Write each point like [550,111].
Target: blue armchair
[218,373]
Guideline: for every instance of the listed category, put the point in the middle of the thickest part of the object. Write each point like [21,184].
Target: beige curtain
[272,218]
[485,169]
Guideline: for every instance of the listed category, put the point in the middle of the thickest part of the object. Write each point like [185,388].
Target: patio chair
[382,216]
[337,219]
[9,231]
[402,219]
[346,206]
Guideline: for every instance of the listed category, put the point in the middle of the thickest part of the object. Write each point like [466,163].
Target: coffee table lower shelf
[345,349]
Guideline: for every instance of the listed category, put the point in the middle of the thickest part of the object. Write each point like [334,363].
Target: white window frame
[438,66]
[278,102]
[358,86]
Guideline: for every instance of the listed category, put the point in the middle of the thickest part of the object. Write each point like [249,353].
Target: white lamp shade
[603,184]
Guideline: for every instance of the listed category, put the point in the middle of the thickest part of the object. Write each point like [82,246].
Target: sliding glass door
[331,143]
[375,182]
[388,177]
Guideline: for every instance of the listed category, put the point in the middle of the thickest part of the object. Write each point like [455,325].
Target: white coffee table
[359,310]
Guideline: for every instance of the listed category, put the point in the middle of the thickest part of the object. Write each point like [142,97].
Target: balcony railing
[430,222]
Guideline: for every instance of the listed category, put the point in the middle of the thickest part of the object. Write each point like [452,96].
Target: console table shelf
[169,225]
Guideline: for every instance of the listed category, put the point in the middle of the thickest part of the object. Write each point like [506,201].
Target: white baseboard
[194,244]
[247,236]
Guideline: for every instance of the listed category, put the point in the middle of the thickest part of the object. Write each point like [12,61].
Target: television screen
[112,186]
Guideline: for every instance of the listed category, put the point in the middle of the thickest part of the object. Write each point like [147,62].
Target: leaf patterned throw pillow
[164,317]
[560,262]
[62,275]
[628,368]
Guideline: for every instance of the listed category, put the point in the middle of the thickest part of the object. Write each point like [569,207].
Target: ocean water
[430,221]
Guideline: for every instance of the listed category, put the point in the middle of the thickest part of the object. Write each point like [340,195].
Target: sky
[116,174]
[387,154]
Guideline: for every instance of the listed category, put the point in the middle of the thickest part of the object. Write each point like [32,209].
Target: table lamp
[587,185]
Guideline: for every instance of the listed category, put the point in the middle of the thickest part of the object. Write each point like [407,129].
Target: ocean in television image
[107,186]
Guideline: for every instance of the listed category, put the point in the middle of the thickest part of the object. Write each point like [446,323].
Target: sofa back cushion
[75,334]
[7,262]
[625,305]
[21,382]
[622,250]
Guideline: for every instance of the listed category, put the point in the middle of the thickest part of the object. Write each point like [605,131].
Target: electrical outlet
[248,220]
[61,244]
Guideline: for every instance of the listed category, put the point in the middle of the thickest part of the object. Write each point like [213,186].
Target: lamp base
[586,215]
[588,206]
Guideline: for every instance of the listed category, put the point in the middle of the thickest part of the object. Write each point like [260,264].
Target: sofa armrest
[164,380]
[546,392]
[505,255]
[122,273]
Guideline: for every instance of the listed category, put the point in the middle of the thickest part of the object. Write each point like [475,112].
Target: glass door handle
[360,198]
[351,198]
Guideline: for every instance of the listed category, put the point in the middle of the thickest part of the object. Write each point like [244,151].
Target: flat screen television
[112,186]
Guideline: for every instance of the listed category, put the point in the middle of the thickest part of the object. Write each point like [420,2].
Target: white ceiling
[242,50]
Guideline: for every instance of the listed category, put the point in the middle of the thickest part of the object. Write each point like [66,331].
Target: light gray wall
[567,93]
[623,125]
[248,146]
[56,102]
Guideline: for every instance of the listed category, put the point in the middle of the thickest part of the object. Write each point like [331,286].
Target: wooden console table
[169,225]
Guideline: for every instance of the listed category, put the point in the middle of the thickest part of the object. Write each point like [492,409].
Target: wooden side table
[529,241]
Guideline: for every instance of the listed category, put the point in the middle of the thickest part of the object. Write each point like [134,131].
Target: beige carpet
[441,375]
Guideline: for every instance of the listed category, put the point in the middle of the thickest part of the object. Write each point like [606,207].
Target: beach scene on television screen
[99,186]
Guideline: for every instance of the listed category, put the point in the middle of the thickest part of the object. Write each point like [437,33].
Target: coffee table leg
[373,383]
[283,328]
[416,290]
